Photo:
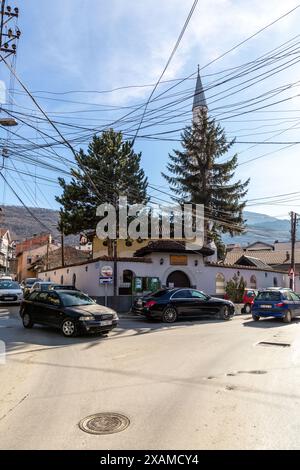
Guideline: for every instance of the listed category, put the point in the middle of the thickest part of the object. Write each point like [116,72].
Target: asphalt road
[194,385]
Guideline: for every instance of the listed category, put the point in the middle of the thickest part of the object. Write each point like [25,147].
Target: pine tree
[196,175]
[112,169]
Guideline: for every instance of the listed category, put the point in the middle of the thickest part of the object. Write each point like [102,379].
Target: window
[53,299]
[253,284]
[182,294]
[29,260]
[41,297]
[220,283]
[74,280]
[62,279]
[294,296]
[269,295]
[199,295]
[287,295]
[275,282]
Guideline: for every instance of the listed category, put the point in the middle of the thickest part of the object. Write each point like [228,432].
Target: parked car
[42,286]
[168,305]
[4,277]
[248,299]
[10,292]
[277,303]
[63,287]
[73,312]
[27,283]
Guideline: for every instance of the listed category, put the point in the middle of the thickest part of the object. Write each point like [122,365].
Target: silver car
[10,292]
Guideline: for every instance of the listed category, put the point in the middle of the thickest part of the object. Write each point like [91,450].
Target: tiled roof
[252,261]
[170,246]
[272,258]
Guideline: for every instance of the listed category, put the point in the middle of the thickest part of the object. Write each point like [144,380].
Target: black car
[64,287]
[73,312]
[170,304]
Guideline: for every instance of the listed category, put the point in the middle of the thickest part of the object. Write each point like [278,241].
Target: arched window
[220,283]
[74,280]
[253,283]
[62,279]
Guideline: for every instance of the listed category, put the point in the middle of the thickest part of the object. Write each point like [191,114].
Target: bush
[235,289]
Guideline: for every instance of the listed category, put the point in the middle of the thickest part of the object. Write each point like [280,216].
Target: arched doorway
[178,279]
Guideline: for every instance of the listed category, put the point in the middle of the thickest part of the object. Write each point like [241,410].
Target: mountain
[261,227]
[21,224]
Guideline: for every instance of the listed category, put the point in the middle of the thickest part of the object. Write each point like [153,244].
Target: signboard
[106,271]
[105,280]
[178,260]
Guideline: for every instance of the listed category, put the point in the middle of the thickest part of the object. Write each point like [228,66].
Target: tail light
[280,304]
[150,303]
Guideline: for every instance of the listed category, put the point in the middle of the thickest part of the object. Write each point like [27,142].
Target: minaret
[199,98]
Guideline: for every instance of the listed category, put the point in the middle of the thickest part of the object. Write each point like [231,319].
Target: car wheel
[224,313]
[247,308]
[68,328]
[255,317]
[288,317]
[27,321]
[169,315]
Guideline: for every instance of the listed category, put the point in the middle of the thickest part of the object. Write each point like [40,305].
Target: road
[192,385]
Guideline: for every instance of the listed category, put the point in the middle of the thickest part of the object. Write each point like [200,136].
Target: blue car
[278,303]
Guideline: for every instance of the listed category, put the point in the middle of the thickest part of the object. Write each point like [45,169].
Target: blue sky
[95,45]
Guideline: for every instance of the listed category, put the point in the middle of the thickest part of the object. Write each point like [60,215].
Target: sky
[88,46]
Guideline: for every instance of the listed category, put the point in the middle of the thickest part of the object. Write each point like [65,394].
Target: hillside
[22,225]
[262,227]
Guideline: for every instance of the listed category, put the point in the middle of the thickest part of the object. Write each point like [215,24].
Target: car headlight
[87,318]
[115,316]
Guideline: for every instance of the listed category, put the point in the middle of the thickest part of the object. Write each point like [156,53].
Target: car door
[288,298]
[39,312]
[53,309]
[200,305]
[296,300]
[182,301]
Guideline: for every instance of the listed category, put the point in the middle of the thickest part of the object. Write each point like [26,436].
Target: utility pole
[294,218]
[8,35]
[62,239]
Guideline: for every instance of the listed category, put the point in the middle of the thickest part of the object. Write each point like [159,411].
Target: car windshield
[269,295]
[9,285]
[30,282]
[70,299]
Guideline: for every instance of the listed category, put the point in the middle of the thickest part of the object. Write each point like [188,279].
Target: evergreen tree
[112,169]
[196,175]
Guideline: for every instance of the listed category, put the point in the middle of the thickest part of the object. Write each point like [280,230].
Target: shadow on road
[19,340]
[269,323]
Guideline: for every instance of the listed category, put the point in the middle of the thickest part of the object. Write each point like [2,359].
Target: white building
[5,250]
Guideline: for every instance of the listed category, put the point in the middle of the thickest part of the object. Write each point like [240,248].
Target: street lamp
[8,122]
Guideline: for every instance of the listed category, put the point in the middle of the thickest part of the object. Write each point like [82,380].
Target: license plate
[8,298]
[266,306]
[106,323]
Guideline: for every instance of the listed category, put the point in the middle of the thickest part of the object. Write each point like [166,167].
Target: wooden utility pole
[293,216]
[47,255]
[62,238]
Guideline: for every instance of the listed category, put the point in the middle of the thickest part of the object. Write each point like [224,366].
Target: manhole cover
[270,343]
[104,423]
